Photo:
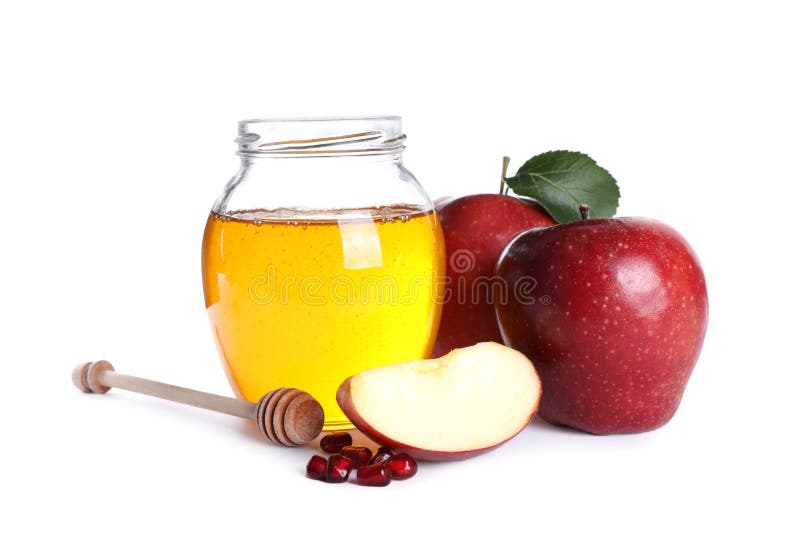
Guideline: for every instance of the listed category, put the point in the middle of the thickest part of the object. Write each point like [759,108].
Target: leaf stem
[503,185]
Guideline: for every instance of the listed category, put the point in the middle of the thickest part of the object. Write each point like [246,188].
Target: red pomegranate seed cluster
[371,470]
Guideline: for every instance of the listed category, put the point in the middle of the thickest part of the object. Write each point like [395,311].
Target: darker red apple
[476,229]
[613,314]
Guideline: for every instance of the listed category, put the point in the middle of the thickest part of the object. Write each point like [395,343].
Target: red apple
[476,229]
[613,313]
[460,405]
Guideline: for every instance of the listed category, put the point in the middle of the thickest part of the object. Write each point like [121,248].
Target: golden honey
[305,299]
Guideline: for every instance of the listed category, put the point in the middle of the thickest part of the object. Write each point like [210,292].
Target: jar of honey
[321,257]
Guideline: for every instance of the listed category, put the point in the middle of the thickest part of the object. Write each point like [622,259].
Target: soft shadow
[249,430]
[542,425]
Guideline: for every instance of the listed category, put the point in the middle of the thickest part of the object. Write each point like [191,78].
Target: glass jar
[322,257]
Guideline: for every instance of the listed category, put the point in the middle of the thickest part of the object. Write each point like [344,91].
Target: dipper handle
[286,416]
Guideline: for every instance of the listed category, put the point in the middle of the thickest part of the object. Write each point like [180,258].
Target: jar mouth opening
[321,136]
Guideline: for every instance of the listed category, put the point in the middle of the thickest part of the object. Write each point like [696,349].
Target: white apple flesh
[456,406]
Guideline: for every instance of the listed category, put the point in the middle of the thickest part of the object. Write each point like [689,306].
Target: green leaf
[561,181]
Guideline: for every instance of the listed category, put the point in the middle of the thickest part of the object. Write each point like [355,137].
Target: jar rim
[327,118]
[321,136]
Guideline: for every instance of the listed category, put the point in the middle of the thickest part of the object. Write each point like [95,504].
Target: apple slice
[457,406]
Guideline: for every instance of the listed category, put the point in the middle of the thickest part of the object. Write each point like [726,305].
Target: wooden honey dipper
[286,416]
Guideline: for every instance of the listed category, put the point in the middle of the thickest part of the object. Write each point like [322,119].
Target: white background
[117,123]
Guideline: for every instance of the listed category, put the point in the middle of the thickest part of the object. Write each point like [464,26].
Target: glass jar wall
[322,257]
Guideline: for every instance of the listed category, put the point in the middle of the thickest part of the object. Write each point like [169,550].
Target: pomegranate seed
[339,468]
[381,456]
[335,441]
[373,475]
[402,466]
[359,455]
[317,468]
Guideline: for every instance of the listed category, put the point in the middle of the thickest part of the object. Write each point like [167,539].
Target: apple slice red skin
[604,370]
[345,402]
[476,230]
